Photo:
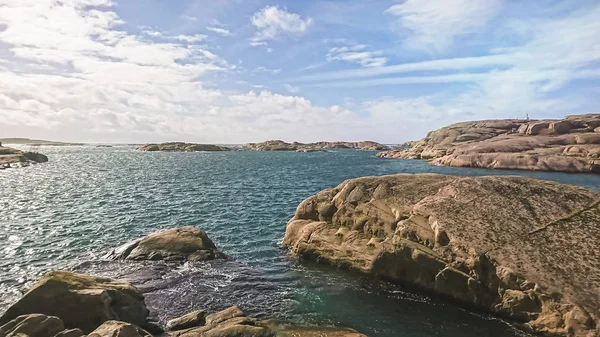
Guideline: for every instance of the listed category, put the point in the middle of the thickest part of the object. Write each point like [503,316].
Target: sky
[236,71]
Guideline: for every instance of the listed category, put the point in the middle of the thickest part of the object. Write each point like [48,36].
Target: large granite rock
[569,145]
[177,244]
[182,147]
[232,322]
[81,301]
[521,248]
[279,145]
[10,158]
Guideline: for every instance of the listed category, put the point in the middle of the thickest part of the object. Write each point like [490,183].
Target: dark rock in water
[119,329]
[33,325]
[232,322]
[521,248]
[178,244]
[182,147]
[81,301]
[36,157]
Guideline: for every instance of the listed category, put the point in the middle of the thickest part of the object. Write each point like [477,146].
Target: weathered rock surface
[524,249]
[34,325]
[10,158]
[232,322]
[279,145]
[568,145]
[81,301]
[119,329]
[177,244]
[182,147]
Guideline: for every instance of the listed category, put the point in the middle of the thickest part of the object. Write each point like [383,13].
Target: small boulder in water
[232,322]
[177,244]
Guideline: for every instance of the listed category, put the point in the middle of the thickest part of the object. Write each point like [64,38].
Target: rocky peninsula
[11,158]
[67,304]
[182,147]
[279,145]
[568,145]
[523,249]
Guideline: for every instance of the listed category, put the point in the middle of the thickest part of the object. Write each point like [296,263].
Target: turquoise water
[67,213]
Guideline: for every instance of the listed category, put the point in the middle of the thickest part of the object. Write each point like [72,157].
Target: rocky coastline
[67,304]
[520,248]
[279,145]
[568,145]
[182,147]
[13,158]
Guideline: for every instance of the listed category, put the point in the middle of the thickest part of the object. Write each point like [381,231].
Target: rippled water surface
[68,212]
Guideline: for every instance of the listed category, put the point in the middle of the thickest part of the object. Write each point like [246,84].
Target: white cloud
[434,24]
[262,69]
[357,54]
[181,37]
[219,30]
[292,89]
[272,21]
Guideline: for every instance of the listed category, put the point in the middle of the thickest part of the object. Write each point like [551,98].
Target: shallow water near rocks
[65,214]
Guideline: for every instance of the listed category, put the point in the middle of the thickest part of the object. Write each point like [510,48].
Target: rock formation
[568,145]
[520,248]
[279,145]
[64,304]
[81,301]
[177,244]
[182,147]
[10,157]
[232,322]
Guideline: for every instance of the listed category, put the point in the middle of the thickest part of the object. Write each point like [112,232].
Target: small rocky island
[568,145]
[11,158]
[67,304]
[182,147]
[279,145]
[523,249]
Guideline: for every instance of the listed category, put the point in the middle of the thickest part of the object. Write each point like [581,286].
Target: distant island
[11,158]
[33,142]
[279,145]
[568,145]
[182,147]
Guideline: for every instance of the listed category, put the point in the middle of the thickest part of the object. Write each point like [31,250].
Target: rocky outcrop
[182,147]
[11,158]
[177,244]
[64,304]
[520,248]
[81,301]
[232,322]
[568,145]
[279,145]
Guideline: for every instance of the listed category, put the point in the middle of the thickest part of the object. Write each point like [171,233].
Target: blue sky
[233,71]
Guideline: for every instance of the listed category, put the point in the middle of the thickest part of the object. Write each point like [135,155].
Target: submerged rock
[568,145]
[232,322]
[81,301]
[177,244]
[182,147]
[521,248]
